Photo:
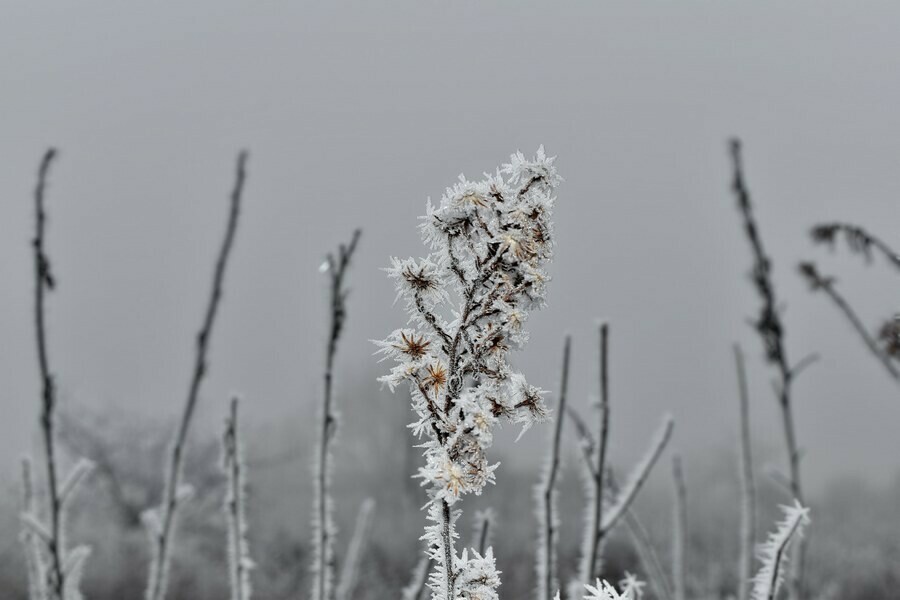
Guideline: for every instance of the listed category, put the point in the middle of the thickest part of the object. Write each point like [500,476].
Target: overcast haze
[355,114]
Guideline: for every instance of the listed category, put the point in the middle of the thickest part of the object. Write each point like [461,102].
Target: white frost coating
[774,552]
[350,572]
[37,537]
[639,474]
[235,508]
[467,302]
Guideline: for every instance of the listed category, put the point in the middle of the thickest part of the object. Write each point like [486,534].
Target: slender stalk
[679,537]
[748,485]
[818,282]
[771,331]
[43,283]
[350,572]
[648,555]
[858,239]
[483,525]
[239,562]
[416,586]
[37,578]
[323,567]
[162,532]
[547,555]
[592,569]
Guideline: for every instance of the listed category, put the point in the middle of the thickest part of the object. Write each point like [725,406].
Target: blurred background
[354,114]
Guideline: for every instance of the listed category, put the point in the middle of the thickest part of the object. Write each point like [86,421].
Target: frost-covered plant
[774,552]
[468,301]
[235,507]
[54,571]
[632,589]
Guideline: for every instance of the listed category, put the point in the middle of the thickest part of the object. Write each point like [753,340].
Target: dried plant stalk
[858,240]
[44,282]
[648,555]
[748,484]
[771,331]
[545,493]
[324,529]
[590,568]
[819,282]
[774,552]
[484,523]
[679,535]
[160,521]
[350,572]
[235,506]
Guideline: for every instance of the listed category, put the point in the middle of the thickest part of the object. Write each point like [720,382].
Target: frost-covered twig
[239,561]
[679,534]
[638,476]
[748,485]
[771,332]
[44,282]
[324,530]
[545,494]
[34,559]
[415,589]
[58,568]
[774,552]
[160,521]
[656,575]
[468,301]
[858,240]
[819,282]
[591,552]
[350,571]
[623,498]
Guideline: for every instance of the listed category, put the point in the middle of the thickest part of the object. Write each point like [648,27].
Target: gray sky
[355,113]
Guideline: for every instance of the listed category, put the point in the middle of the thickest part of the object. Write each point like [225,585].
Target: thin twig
[771,331]
[648,555]
[679,537]
[484,521]
[858,240]
[638,477]
[748,485]
[547,555]
[600,460]
[323,559]
[44,282]
[350,572]
[162,537]
[818,282]
[239,562]
[415,588]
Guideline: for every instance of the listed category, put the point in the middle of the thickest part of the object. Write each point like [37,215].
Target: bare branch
[748,485]
[323,527]
[818,282]
[162,531]
[547,516]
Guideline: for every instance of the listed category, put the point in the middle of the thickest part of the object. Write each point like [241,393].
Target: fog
[355,113]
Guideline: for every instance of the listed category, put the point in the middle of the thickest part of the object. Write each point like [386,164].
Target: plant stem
[44,282]
[156,586]
[748,486]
